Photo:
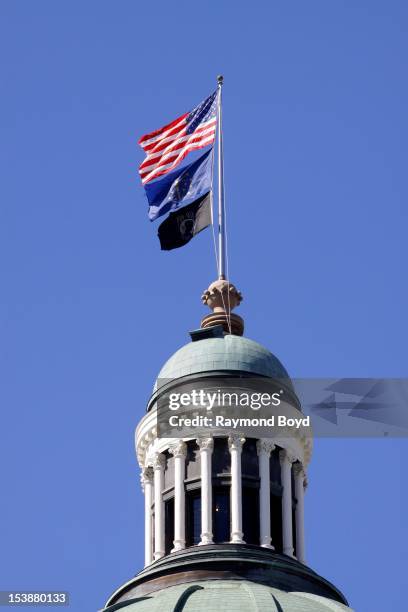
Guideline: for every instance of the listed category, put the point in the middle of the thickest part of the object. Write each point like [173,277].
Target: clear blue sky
[315,106]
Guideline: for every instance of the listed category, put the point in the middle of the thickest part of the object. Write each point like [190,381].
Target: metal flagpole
[221,224]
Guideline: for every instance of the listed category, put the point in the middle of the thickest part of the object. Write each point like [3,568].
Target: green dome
[234,595]
[230,352]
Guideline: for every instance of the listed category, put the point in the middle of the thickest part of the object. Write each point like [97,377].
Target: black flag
[182,225]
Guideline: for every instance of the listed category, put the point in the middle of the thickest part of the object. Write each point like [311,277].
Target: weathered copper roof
[233,353]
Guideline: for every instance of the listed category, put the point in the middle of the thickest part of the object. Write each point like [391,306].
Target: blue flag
[180,187]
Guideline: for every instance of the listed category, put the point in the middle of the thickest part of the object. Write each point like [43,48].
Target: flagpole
[221,220]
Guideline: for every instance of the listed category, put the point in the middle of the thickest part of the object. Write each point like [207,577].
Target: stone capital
[179,449]
[146,476]
[286,456]
[205,444]
[236,442]
[264,446]
[298,469]
[158,461]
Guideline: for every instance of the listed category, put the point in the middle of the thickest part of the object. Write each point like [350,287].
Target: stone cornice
[147,442]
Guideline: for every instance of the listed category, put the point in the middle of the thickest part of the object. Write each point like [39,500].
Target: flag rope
[213,232]
[212,215]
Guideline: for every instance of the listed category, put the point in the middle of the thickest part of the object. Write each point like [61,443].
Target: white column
[206,446]
[158,467]
[179,451]
[286,460]
[235,446]
[264,448]
[299,494]
[147,486]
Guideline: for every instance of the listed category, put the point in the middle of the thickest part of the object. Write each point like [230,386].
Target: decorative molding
[147,443]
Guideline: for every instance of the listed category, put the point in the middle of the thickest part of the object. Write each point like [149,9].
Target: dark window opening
[294,529]
[276,523]
[221,458]
[193,531]
[275,467]
[250,515]
[249,461]
[153,532]
[221,515]
[169,525]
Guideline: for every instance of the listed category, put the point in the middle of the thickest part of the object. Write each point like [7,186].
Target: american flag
[167,147]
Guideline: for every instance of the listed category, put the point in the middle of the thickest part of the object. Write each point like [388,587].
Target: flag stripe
[174,133]
[164,169]
[162,132]
[176,144]
[165,141]
[196,143]
[167,147]
[170,166]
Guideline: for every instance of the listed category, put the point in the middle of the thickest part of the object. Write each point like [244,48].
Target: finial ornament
[222,297]
[220,79]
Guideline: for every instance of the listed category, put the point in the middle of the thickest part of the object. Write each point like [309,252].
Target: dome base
[227,562]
